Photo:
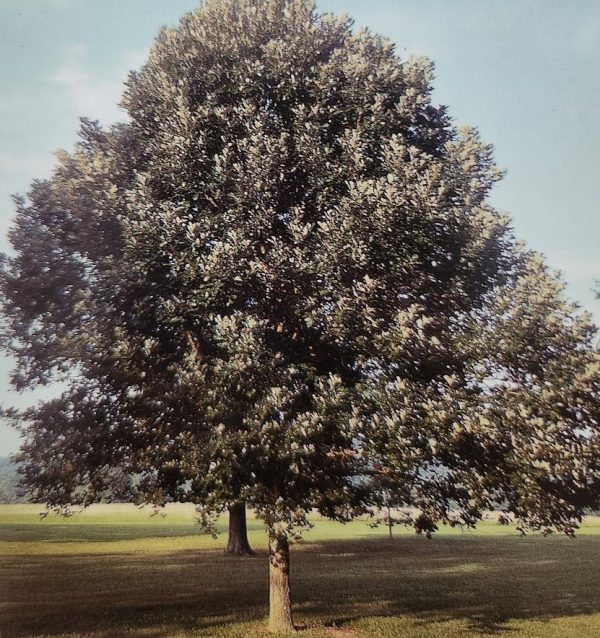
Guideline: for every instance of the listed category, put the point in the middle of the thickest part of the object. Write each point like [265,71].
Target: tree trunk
[389,520]
[237,541]
[280,606]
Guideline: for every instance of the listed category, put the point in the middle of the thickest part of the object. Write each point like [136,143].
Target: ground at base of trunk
[241,554]
[302,629]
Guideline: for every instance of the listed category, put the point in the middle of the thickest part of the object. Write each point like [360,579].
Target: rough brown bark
[280,605]
[237,541]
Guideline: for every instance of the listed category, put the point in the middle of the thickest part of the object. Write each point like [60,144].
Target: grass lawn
[114,571]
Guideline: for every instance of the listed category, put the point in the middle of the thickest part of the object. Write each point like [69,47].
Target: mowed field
[114,571]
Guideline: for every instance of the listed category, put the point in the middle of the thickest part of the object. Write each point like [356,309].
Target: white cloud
[90,96]
[38,119]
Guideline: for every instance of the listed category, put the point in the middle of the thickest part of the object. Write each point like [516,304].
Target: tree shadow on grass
[119,593]
[486,581]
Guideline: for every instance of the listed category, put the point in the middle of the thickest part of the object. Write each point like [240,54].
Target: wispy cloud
[89,95]
[73,89]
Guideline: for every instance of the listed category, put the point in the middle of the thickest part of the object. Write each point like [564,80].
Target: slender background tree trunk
[280,605]
[237,542]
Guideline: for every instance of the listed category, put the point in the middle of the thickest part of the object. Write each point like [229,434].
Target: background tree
[282,277]
[237,533]
[9,492]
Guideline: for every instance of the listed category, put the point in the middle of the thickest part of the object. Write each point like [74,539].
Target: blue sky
[525,72]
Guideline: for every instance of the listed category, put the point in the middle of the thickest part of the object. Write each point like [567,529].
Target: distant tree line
[9,490]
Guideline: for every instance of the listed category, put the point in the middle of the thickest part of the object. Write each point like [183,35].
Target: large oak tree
[281,282]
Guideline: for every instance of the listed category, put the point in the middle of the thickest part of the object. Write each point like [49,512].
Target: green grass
[113,572]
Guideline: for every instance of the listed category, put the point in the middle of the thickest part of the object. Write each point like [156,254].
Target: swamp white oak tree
[280,279]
